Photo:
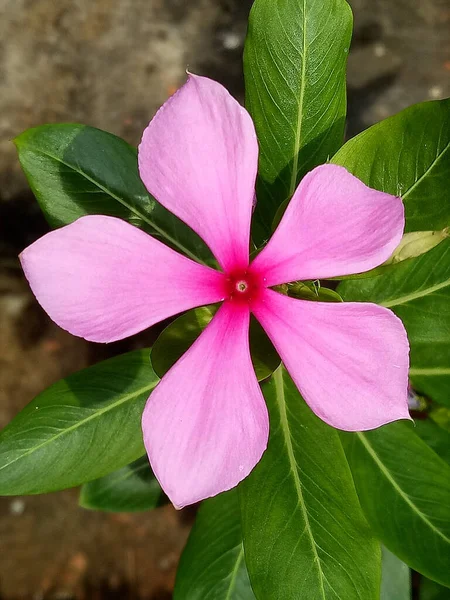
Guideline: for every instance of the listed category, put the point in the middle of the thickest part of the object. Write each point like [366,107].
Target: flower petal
[206,424]
[349,360]
[198,157]
[103,279]
[334,225]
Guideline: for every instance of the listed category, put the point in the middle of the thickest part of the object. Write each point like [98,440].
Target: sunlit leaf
[404,489]
[294,65]
[305,537]
[79,429]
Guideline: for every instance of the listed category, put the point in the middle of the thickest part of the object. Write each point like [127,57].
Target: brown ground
[111,64]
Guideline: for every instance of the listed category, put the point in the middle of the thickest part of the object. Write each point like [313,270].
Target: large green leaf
[294,65]
[418,291]
[212,566]
[436,437]
[75,170]
[129,489]
[79,429]
[408,155]
[178,337]
[305,537]
[404,489]
[395,577]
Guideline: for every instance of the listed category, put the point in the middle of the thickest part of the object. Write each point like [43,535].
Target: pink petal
[206,424]
[349,360]
[198,157]
[103,279]
[334,225]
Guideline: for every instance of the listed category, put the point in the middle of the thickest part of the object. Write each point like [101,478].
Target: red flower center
[243,286]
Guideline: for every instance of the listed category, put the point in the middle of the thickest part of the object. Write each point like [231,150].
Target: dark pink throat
[243,286]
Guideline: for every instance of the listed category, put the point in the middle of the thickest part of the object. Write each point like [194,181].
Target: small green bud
[416,243]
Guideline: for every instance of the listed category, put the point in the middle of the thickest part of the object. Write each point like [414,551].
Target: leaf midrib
[429,371]
[385,471]
[281,401]
[298,133]
[130,207]
[425,173]
[81,423]
[234,573]
[414,295]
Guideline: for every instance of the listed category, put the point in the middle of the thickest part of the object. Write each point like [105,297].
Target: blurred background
[110,64]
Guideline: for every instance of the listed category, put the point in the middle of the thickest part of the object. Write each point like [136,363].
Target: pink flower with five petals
[206,424]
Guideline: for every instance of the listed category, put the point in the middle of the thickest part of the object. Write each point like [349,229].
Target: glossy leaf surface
[79,429]
[435,436]
[212,566]
[129,489]
[294,65]
[305,537]
[407,155]
[418,291]
[178,337]
[404,489]
[76,170]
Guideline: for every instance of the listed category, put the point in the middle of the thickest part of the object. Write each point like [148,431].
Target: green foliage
[79,429]
[76,170]
[436,437]
[407,155]
[177,338]
[404,489]
[418,291]
[430,590]
[305,537]
[212,566]
[294,65]
[129,489]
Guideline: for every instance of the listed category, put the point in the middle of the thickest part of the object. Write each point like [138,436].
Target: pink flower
[206,424]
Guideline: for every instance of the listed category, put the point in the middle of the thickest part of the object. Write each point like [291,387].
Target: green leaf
[311,291]
[404,489]
[178,337]
[129,489]
[395,577]
[407,155]
[418,291]
[76,170]
[79,429]
[430,590]
[305,537]
[212,566]
[294,65]
[436,437]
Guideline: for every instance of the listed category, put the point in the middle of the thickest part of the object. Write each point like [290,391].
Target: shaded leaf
[129,489]
[79,429]
[76,170]
[294,65]
[404,489]
[305,537]
[179,336]
[212,566]
[430,590]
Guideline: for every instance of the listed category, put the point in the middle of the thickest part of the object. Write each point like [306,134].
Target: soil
[111,64]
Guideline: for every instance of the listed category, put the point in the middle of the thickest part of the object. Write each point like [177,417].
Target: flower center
[242,286]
